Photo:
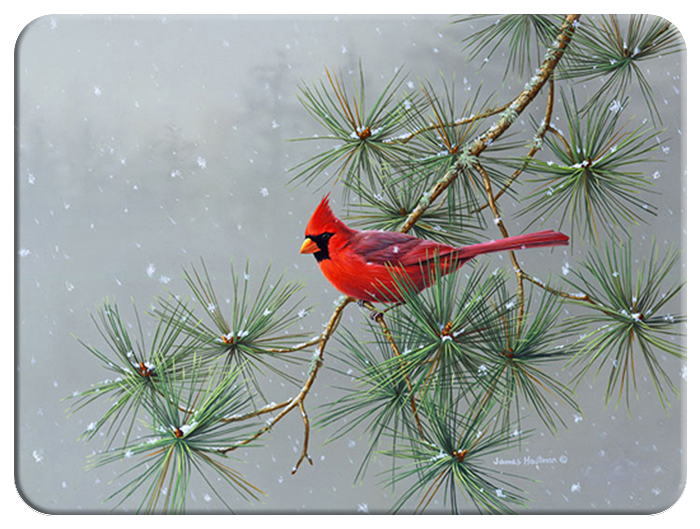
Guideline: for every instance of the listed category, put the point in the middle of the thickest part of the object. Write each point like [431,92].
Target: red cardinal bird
[365,264]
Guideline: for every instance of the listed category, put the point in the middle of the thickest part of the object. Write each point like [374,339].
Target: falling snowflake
[615,105]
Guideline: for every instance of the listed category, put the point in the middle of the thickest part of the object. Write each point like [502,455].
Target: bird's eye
[326,236]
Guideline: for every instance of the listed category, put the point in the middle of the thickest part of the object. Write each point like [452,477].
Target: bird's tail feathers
[517,242]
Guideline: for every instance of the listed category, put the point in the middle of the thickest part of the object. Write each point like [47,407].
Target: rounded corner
[26,500]
[672,23]
[23,32]
[674,500]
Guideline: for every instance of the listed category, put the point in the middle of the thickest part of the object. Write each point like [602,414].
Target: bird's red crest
[323,218]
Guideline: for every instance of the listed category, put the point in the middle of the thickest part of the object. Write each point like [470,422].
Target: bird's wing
[395,248]
[383,247]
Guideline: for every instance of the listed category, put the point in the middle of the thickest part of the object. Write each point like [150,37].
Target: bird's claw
[375,315]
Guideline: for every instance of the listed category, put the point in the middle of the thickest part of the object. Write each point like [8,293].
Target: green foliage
[519,353]
[377,400]
[358,128]
[525,36]
[627,317]
[451,460]
[188,388]
[189,426]
[442,130]
[603,49]
[254,331]
[444,327]
[594,179]
[138,369]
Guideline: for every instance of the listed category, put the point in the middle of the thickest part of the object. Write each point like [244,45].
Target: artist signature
[531,461]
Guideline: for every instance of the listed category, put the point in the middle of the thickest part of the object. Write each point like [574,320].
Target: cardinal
[377,266]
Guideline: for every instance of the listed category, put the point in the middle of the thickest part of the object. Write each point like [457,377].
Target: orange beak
[309,246]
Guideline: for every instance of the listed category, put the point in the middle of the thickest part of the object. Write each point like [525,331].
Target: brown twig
[299,347]
[520,273]
[562,139]
[265,409]
[502,227]
[577,297]
[456,123]
[536,146]
[307,429]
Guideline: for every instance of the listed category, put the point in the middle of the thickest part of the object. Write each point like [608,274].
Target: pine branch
[604,50]
[515,109]
[627,315]
[466,120]
[525,34]
[298,400]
